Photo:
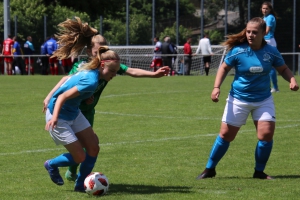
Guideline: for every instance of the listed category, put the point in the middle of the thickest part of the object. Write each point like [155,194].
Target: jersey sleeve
[230,59]
[278,59]
[123,69]
[270,21]
[86,83]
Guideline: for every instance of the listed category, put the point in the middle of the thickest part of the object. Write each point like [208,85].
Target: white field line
[139,141]
[170,117]
[142,93]
[156,116]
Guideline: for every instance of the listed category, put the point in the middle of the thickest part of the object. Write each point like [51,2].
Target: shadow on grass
[237,177]
[146,189]
[286,176]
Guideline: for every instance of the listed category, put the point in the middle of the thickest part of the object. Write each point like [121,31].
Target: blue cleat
[54,174]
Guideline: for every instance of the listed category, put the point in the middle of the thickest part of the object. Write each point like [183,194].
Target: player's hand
[164,71]
[50,124]
[294,86]
[215,95]
[89,100]
[46,102]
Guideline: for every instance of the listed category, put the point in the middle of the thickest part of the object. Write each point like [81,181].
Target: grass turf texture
[155,135]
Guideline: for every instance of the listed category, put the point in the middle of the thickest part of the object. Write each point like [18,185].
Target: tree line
[30,19]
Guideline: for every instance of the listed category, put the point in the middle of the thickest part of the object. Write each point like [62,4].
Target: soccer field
[155,137]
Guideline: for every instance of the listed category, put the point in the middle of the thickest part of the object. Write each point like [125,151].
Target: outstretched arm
[135,72]
[48,97]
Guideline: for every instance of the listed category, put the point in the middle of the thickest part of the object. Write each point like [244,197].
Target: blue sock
[262,154]
[217,152]
[62,160]
[85,169]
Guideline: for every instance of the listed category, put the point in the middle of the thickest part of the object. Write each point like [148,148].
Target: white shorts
[272,42]
[236,111]
[64,132]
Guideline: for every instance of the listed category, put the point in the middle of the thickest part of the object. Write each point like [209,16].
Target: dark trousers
[18,62]
[187,65]
[45,65]
[167,61]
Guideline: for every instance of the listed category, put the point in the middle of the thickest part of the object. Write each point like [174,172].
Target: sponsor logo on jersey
[256,69]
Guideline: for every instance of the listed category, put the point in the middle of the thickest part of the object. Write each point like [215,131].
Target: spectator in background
[17,51]
[167,49]
[157,61]
[1,60]
[49,47]
[67,65]
[29,50]
[44,60]
[269,17]
[205,48]
[187,50]
[7,50]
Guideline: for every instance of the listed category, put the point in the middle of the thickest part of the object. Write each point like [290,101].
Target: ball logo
[256,69]
[266,57]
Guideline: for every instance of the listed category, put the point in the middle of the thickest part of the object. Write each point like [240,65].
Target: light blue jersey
[252,81]
[270,22]
[86,83]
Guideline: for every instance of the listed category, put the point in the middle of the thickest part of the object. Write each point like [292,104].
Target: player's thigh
[76,150]
[235,115]
[228,132]
[89,141]
[264,119]
[265,130]
[236,112]
[86,135]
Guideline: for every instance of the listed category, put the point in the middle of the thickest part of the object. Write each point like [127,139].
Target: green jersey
[101,85]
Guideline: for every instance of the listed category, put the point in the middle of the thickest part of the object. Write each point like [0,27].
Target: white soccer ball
[96,184]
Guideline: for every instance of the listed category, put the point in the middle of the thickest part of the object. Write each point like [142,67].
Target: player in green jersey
[69,48]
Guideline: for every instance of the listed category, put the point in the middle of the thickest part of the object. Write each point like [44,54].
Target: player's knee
[79,158]
[93,150]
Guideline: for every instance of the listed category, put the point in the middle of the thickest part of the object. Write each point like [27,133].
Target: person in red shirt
[187,50]
[1,60]
[67,64]
[7,50]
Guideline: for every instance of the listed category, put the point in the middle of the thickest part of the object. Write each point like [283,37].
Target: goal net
[141,57]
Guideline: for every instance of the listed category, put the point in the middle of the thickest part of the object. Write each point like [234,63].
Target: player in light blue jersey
[88,36]
[270,19]
[252,58]
[68,126]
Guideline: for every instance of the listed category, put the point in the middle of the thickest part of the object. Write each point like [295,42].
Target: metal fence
[141,57]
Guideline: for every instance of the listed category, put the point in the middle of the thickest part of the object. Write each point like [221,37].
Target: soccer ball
[96,184]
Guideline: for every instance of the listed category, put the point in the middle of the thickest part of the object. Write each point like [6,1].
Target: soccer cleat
[79,188]
[54,174]
[261,175]
[70,176]
[207,173]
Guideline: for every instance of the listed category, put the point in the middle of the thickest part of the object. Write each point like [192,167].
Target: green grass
[155,135]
